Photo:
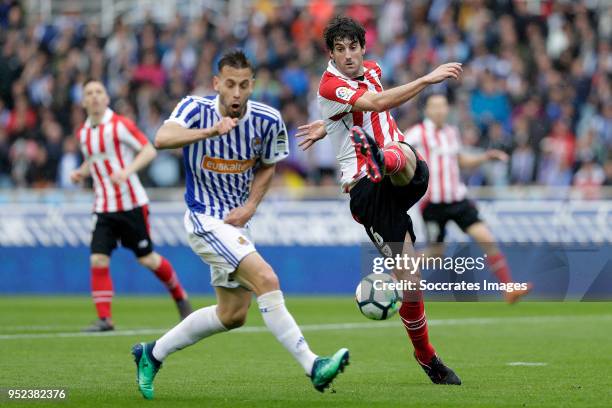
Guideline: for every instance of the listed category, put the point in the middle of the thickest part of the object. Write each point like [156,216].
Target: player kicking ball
[230,147]
[115,150]
[383,175]
[446,198]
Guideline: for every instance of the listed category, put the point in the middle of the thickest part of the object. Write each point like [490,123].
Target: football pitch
[527,355]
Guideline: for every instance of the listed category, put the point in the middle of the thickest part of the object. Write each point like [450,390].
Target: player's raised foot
[516,295]
[100,325]
[146,368]
[325,369]
[368,152]
[184,307]
[438,372]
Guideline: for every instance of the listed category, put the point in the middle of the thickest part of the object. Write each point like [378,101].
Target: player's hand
[445,71]
[225,125]
[239,216]
[495,154]
[76,176]
[120,176]
[311,133]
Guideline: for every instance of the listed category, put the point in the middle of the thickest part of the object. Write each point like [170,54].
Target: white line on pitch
[328,326]
[525,363]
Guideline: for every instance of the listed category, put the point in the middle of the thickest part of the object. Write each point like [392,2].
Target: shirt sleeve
[131,135]
[186,113]
[275,143]
[337,96]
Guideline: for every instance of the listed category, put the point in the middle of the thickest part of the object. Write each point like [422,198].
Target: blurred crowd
[537,81]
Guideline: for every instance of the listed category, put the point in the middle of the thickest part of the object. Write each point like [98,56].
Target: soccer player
[446,197]
[114,150]
[230,148]
[383,175]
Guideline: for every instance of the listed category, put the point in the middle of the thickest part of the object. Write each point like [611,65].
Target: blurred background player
[384,175]
[446,199]
[230,146]
[115,150]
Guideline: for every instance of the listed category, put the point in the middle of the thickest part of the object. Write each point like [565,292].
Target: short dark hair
[343,27]
[88,80]
[235,59]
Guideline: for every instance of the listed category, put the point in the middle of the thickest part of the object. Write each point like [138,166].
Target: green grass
[252,369]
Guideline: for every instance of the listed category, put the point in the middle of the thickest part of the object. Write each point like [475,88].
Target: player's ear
[216,83]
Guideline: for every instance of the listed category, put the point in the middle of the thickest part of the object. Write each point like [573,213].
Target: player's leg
[229,313]
[103,242]
[136,236]
[400,163]
[481,233]
[256,274]
[395,159]
[163,269]
[414,319]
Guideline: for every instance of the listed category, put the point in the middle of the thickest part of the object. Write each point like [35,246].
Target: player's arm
[261,183]
[81,173]
[394,97]
[173,135]
[470,161]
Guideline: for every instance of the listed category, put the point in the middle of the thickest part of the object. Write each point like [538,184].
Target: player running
[446,197]
[114,150]
[230,148]
[383,175]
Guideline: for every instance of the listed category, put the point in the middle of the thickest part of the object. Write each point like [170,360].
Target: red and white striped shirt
[337,95]
[108,147]
[440,148]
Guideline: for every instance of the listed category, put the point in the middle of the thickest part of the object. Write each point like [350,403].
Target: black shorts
[130,227]
[464,213]
[382,208]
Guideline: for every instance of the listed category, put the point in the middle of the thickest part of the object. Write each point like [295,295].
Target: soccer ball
[375,301]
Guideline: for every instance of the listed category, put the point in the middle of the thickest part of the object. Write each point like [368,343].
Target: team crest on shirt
[345,93]
[242,240]
[256,145]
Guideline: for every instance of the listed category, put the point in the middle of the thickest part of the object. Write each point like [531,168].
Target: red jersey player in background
[446,199]
[383,175]
[115,150]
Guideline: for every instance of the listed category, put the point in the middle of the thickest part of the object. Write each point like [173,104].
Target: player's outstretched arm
[172,135]
[470,161]
[311,133]
[261,183]
[394,97]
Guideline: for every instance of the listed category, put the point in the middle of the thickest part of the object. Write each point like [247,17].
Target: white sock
[198,325]
[280,322]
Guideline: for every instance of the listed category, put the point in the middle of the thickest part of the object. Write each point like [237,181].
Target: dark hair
[91,79]
[235,59]
[343,27]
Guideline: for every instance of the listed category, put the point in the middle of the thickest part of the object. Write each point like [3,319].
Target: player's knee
[99,260]
[267,280]
[233,318]
[150,261]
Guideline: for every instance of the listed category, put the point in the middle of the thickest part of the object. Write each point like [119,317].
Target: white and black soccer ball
[376,299]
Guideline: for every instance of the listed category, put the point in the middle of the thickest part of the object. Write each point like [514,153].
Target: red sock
[102,291]
[499,267]
[413,317]
[165,273]
[395,160]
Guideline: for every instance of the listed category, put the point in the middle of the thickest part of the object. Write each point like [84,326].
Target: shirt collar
[108,114]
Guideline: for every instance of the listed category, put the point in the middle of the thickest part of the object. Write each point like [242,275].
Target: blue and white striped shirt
[219,170]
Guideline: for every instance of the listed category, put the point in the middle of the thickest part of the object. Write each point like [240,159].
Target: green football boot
[146,368]
[325,369]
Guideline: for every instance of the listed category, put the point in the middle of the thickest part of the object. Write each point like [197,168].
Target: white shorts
[220,245]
